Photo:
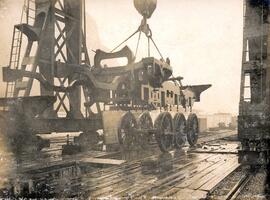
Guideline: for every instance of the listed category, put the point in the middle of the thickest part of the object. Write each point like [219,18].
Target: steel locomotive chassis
[22,120]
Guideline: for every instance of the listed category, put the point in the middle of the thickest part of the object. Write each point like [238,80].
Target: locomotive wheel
[164,126]
[192,129]
[145,123]
[126,135]
[180,127]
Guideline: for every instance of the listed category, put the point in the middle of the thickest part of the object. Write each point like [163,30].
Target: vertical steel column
[268,68]
[73,24]
[46,53]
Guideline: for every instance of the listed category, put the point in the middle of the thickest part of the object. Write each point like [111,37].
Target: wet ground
[137,174]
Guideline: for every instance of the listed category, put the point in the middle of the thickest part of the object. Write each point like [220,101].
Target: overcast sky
[202,38]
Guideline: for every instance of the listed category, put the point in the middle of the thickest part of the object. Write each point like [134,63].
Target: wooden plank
[170,192]
[107,154]
[105,161]
[113,176]
[154,184]
[202,173]
[211,176]
[216,152]
[150,180]
[175,177]
[184,194]
[121,189]
[211,184]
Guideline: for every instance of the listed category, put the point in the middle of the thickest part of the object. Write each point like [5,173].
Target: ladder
[14,58]
[30,9]
[28,13]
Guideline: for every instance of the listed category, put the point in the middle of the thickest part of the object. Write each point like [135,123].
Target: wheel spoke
[125,130]
[144,123]
[164,131]
[180,128]
[193,129]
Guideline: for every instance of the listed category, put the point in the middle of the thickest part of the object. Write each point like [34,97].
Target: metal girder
[65,125]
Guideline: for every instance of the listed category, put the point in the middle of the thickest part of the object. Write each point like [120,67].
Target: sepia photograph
[135,99]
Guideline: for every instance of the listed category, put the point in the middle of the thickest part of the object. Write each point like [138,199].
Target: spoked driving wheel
[145,123]
[164,136]
[192,129]
[180,130]
[126,131]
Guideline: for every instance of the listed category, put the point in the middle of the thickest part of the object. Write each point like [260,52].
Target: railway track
[232,187]
[238,187]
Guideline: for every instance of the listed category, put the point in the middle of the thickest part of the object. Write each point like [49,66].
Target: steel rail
[238,187]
